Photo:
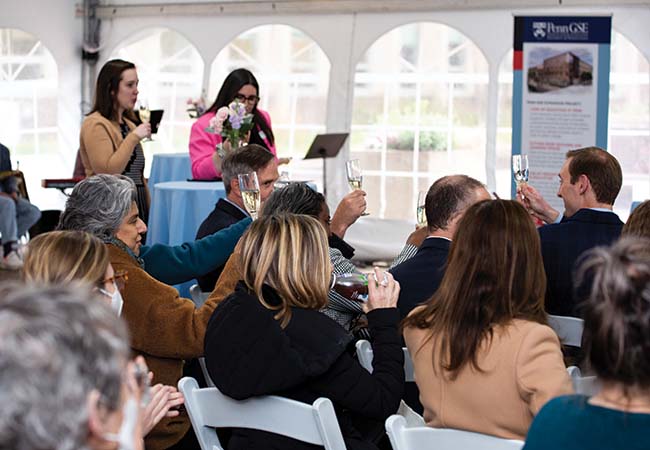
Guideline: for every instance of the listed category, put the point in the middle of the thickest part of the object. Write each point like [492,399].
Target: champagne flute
[421,211]
[355,176]
[145,116]
[250,192]
[520,168]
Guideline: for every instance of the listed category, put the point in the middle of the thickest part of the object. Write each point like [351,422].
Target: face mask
[116,299]
[125,437]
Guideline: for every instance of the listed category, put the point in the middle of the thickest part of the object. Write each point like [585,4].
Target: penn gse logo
[550,30]
[539,30]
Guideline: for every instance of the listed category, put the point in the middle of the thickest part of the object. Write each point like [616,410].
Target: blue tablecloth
[169,167]
[177,210]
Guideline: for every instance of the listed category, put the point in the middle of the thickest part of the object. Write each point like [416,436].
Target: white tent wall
[55,24]
[344,37]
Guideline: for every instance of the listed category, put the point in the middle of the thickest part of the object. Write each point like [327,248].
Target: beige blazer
[522,370]
[101,146]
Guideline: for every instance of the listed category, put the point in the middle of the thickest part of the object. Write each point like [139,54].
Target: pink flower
[222,114]
[215,125]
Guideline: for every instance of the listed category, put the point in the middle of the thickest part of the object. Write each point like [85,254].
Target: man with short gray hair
[446,202]
[229,210]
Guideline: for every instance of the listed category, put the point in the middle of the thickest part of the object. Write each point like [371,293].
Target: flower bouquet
[232,123]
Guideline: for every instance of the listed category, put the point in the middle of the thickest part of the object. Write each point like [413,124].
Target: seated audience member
[298,198]
[269,338]
[638,224]
[230,210]
[484,358]
[17,215]
[169,264]
[446,201]
[590,180]
[616,340]
[65,379]
[64,257]
[164,328]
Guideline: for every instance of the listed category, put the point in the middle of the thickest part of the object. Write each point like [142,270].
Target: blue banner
[560,92]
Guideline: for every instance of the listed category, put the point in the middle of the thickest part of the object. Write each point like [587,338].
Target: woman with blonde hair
[62,257]
[268,337]
[69,257]
[484,358]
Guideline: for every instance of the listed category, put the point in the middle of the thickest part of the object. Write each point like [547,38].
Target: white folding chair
[198,296]
[206,375]
[403,437]
[208,409]
[583,385]
[364,355]
[568,329]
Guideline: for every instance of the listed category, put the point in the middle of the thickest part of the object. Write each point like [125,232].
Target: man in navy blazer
[590,181]
[447,200]
[230,210]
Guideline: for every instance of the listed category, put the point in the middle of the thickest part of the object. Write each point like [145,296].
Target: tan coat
[101,146]
[523,369]
[166,330]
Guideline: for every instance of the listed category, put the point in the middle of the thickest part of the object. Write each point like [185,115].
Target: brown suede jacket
[165,329]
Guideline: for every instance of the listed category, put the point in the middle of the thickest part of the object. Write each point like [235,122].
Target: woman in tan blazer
[110,140]
[484,358]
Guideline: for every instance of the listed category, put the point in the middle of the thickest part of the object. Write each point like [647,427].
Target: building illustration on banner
[559,70]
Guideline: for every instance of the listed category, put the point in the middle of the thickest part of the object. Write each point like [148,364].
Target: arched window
[420,103]
[28,109]
[170,70]
[293,74]
[629,121]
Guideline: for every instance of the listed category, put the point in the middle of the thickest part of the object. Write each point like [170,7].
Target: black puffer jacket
[247,354]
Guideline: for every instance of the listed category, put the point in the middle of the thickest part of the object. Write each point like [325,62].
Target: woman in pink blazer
[239,85]
[484,358]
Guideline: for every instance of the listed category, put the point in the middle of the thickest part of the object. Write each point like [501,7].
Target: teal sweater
[181,263]
[570,423]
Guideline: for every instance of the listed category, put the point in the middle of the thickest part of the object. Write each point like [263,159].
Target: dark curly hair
[616,312]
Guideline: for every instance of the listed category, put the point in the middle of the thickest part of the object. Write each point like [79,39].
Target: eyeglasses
[119,278]
[250,99]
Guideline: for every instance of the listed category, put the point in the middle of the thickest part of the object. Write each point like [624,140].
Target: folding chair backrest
[198,296]
[403,437]
[588,386]
[208,408]
[568,329]
[206,375]
[365,355]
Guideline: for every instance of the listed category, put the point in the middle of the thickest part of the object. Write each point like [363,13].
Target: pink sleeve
[202,147]
[267,118]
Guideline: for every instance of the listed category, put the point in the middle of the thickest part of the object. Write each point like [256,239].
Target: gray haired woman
[99,205]
[164,328]
[63,366]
